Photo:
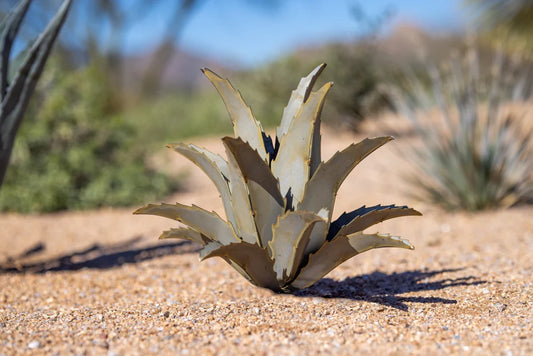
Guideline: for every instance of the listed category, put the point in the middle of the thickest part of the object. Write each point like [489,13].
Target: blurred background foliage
[475,150]
[75,151]
[505,23]
[100,114]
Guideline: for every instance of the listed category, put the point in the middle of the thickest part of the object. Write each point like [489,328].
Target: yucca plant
[476,150]
[278,196]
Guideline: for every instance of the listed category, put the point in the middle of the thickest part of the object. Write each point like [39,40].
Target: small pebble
[34,344]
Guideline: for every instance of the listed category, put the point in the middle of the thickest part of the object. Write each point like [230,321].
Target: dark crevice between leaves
[270,149]
[346,218]
[387,289]
[98,256]
[289,205]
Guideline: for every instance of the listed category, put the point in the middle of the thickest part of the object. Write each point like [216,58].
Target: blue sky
[247,33]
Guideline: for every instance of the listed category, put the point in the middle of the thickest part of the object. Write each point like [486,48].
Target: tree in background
[98,29]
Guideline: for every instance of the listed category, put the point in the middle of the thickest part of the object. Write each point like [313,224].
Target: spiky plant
[15,95]
[476,151]
[278,196]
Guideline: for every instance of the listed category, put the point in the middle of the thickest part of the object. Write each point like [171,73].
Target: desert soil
[99,282]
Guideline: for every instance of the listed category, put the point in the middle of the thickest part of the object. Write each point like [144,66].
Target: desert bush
[505,22]
[74,152]
[476,150]
[353,69]
[178,115]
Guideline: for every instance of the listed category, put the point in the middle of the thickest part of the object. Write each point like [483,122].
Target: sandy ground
[98,282]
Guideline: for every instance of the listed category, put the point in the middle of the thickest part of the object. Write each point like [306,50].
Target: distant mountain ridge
[183,71]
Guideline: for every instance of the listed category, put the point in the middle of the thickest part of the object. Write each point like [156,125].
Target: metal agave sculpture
[279,197]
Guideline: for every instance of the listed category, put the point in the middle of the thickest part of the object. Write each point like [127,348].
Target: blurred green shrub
[476,150]
[353,68]
[504,22]
[74,152]
[179,115]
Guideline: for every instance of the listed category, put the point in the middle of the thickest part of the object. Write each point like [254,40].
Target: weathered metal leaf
[340,249]
[209,248]
[290,238]
[316,148]
[185,234]
[292,165]
[252,259]
[321,190]
[318,234]
[266,211]
[244,123]
[252,166]
[362,218]
[212,246]
[240,201]
[218,160]
[298,97]
[205,222]
[215,167]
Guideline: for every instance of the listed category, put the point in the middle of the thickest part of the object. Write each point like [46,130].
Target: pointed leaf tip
[362,218]
[298,97]
[244,123]
[320,191]
[203,221]
[143,209]
[340,249]
[297,154]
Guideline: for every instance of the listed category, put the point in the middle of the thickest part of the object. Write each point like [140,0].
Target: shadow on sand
[387,289]
[96,256]
[377,287]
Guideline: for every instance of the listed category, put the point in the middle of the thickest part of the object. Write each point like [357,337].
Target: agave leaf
[203,221]
[10,27]
[318,235]
[219,162]
[266,201]
[240,201]
[321,190]
[252,166]
[298,97]
[185,234]
[17,96]
[290,238]
[212,246]
[253,261]
[340,249]
[244,123]
[316,149]
[266,211]
[362,218]
[213,166]
[292,165]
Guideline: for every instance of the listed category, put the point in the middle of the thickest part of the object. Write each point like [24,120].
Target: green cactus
[14,96]
[279,196]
